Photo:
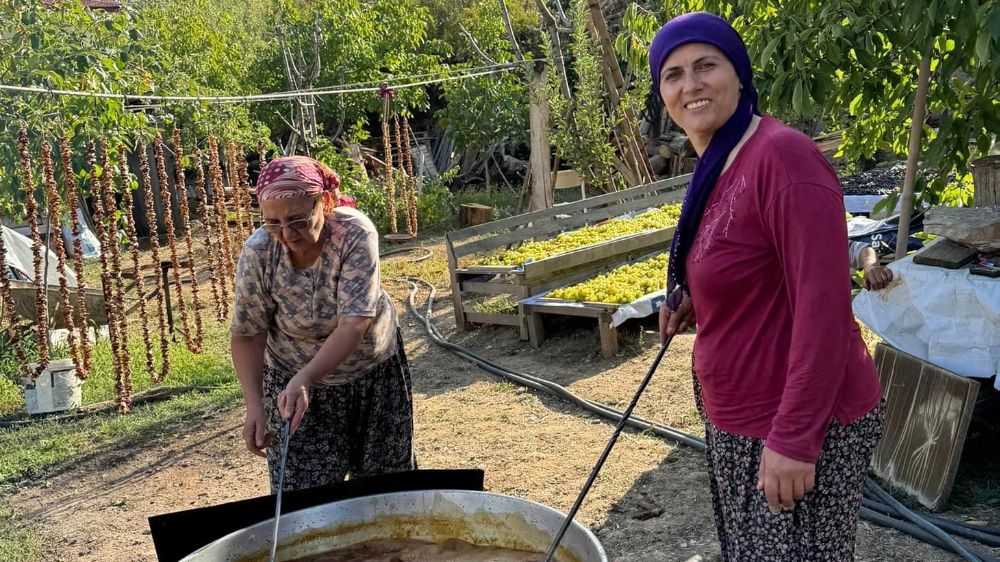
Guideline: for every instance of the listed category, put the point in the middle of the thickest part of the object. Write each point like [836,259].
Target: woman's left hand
[294,400]
[784,480]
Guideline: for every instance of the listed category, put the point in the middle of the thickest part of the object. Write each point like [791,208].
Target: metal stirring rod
[607,451]
[281,484]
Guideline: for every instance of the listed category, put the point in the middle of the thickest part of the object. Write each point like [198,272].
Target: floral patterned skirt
[361,428]
[822,526]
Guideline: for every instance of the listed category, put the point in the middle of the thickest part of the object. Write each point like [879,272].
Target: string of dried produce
[133,238]
[97,186]
[123,378]
[41,284]
[243,170]
[261,154]
[222,221]
[82,317]
[8,309]
[208,227]
[232,177]
[406,174]
[412,193]
[195,343]
[154,249]
[168,224]
[390,190]
[55,223]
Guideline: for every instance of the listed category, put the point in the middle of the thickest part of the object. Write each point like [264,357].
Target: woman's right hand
[255,433]
[676,321]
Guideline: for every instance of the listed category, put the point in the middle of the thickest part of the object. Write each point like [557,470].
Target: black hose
[955,527]
[876,508]
[920,521]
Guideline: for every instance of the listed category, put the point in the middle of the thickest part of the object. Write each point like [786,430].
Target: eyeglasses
[298,225]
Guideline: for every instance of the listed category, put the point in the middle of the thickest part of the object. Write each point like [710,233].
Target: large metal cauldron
[435,515]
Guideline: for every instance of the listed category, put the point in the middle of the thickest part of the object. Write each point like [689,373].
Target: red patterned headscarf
[299,176]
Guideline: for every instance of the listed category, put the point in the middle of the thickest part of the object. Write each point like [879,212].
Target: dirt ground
[650,504]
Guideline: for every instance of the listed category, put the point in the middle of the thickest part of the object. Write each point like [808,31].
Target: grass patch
[433,269]
[44,447]
[17,542]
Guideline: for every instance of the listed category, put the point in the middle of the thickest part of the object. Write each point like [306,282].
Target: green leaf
[765,55]
[993,23]
[983,48]
[797,98]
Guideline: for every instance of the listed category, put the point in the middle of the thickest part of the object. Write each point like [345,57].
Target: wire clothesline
[361,87]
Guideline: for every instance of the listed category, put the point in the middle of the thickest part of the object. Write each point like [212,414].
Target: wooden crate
[469,282]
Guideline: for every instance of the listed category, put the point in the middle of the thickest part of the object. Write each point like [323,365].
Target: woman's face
[297,222]
[700,89]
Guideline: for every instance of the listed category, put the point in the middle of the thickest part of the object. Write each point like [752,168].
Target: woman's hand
[294,400]
[676,321]
[255,433]
[784,480]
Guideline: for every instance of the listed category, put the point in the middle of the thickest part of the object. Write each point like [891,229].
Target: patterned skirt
[361,428]
[822,526]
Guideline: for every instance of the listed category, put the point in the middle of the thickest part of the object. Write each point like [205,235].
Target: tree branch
[510,31]
[475,45]
[550,25]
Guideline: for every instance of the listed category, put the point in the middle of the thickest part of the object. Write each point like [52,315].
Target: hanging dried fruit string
[117,283]
[154,248]
[232,176]
[96,195]
[412,192]
[9,311]
[405,191]
[219,194]
[41,284]
[82,317]
[261,154]
[195,343]
[123,378]
[243,170]
[168,225]
[133,241]
[55,220]
[207,215]
[386,94]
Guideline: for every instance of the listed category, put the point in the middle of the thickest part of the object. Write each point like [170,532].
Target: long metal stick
[607,451]
[281,485]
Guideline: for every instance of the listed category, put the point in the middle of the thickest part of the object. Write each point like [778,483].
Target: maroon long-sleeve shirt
[778,352]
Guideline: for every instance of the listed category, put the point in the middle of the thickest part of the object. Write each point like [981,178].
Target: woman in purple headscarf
[783,380]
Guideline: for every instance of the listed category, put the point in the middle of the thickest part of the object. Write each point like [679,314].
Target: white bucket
[56,389]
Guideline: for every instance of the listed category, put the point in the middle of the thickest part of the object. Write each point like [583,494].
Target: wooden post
[916,130]
[986,177]
[542,196]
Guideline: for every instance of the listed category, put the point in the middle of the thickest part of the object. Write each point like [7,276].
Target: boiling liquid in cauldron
[409,550]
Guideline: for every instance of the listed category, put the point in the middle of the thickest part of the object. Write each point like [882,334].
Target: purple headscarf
[702,27]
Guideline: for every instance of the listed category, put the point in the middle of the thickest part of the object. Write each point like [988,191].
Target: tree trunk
[916,130]
[986,180]
[541,150]
[471,214]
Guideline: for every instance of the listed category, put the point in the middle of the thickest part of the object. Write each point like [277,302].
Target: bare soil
[651,502]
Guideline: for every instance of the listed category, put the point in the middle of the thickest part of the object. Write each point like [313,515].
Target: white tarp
[21,258]
[950,318]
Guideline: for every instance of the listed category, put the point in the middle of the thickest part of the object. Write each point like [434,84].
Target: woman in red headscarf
[314,330]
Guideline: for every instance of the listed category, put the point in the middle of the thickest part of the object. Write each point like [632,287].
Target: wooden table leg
[536,330]
[609,335]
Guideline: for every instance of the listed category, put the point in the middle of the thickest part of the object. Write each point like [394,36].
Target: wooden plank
[547,229]
[493,318]
[946,254]
[480,288]
[581,311]
[536,327]
[456,293]
[639,242]
[609,335]
[24,304]
[480,270]
[928,410]
[569,208]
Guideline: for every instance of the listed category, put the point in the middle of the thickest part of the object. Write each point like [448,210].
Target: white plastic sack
[950,318]
[641,308]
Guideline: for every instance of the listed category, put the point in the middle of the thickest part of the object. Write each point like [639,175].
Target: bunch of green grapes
[623,285]
[663,217]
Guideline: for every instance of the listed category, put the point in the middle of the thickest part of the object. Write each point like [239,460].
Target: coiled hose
[879,506]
